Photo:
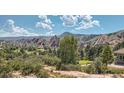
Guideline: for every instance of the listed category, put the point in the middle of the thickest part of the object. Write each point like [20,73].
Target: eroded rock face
[112,39]
[54,42]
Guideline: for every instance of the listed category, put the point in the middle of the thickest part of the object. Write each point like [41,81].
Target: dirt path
[78,74]
[117,66]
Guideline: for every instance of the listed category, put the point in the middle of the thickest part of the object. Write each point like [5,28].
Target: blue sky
[34,25]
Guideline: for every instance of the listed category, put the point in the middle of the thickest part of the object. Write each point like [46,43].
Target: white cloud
[43,26]
[42,17]
[12,30]
[79,22]
[86,18]
[69,20]
[87,22]
[45,23]
[50,33]
[10,22]
[86,25]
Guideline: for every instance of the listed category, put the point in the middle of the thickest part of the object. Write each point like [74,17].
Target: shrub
[99,66]
[33,58]
[30,67]
[96,67]
[5,71]
[42,74]
[70,67]
[112,70]
[50,60]
[26,69]
[15,66]
[88,69]
[4,74]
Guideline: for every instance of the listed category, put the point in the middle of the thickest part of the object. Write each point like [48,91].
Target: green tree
[98,65]
[87,51]
[68,50]
[81,54]
[107,55]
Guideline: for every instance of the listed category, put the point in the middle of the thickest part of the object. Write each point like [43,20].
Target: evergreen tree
[68,50]
[107,55]
[87,49]
[81,54]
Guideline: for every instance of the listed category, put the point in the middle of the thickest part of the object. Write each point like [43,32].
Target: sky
[48,25]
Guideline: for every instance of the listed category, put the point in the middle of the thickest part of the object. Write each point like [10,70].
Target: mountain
[77,35]
[64,34]
[53,41]
[112,38]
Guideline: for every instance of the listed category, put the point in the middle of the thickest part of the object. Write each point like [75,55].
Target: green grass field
[84,62]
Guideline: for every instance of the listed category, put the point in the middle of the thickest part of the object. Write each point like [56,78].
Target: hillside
[53,41]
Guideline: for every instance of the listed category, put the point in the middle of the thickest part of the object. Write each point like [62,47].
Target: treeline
[119,46]
[90,52]
[70,55]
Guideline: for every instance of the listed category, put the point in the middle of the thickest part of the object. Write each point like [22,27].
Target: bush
[70,67]
[96,67]
[34,59]
[30,67]
[15,66]
[99,66]
[88,69]
[112,70]
[4,74]
[50,60]
[42,74]
[5,71]
[26,67]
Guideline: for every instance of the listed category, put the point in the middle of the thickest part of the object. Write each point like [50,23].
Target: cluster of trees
[93,52]
[119,46]
[101,62]
[101,55]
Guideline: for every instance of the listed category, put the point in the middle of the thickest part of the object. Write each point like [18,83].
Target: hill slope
[112,39]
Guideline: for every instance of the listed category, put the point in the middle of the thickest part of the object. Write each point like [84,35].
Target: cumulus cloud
[50,33]
[69,20]
[44,23]
[12,30]
[86,25]
[87,22]
[79,22]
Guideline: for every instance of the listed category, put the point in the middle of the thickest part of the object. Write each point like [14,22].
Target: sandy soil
[117,66]
[78,74]
[17,74]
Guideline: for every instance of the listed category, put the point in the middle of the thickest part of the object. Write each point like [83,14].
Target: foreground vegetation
[68,56]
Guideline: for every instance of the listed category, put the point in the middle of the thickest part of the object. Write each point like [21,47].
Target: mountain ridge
[83,39]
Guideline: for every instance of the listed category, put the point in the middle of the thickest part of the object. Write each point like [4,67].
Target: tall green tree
[107,55]
[68,50]
[87,51]
[81,54]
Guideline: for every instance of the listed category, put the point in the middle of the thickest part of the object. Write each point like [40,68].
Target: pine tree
[107,55]
[68,50]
